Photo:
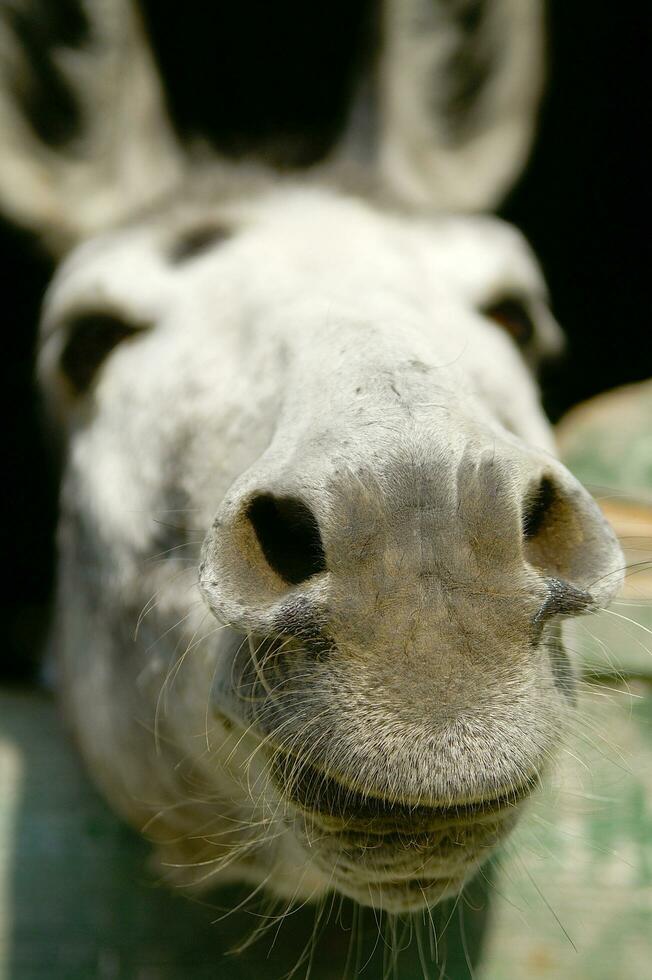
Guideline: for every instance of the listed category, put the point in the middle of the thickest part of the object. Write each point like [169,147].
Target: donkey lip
[333,806]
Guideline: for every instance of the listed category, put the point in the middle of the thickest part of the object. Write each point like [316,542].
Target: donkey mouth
[391,853]
[402,858]
[333,806]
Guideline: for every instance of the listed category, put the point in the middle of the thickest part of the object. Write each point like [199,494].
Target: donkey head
[306,464]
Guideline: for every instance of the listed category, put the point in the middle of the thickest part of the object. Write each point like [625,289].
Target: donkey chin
[400,857]
[389,798]
[383,851]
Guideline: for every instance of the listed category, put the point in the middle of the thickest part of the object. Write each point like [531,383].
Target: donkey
[316,548]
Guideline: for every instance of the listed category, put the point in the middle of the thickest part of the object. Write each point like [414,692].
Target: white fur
[330,348]
[334,352]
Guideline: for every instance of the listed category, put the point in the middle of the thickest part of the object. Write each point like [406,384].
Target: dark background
[584,203]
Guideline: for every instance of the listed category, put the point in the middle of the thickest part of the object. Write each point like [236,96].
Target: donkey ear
[457,88]
[84,135]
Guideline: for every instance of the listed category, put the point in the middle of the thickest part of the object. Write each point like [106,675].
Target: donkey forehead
[288,241]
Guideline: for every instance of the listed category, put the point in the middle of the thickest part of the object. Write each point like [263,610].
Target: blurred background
[584,202]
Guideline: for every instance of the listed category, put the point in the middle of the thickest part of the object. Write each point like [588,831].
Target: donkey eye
[91,338]
[513,316]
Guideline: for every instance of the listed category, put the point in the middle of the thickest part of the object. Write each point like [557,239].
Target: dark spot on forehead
[195,241]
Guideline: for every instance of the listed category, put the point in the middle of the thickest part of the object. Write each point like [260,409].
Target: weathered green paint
[586,845]
[77,902]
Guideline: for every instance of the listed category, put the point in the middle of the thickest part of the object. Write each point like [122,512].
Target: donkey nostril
[288,535]
[537,507]
[567,540]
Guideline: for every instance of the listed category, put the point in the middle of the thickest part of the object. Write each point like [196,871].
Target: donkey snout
[406,613]
[518,526]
